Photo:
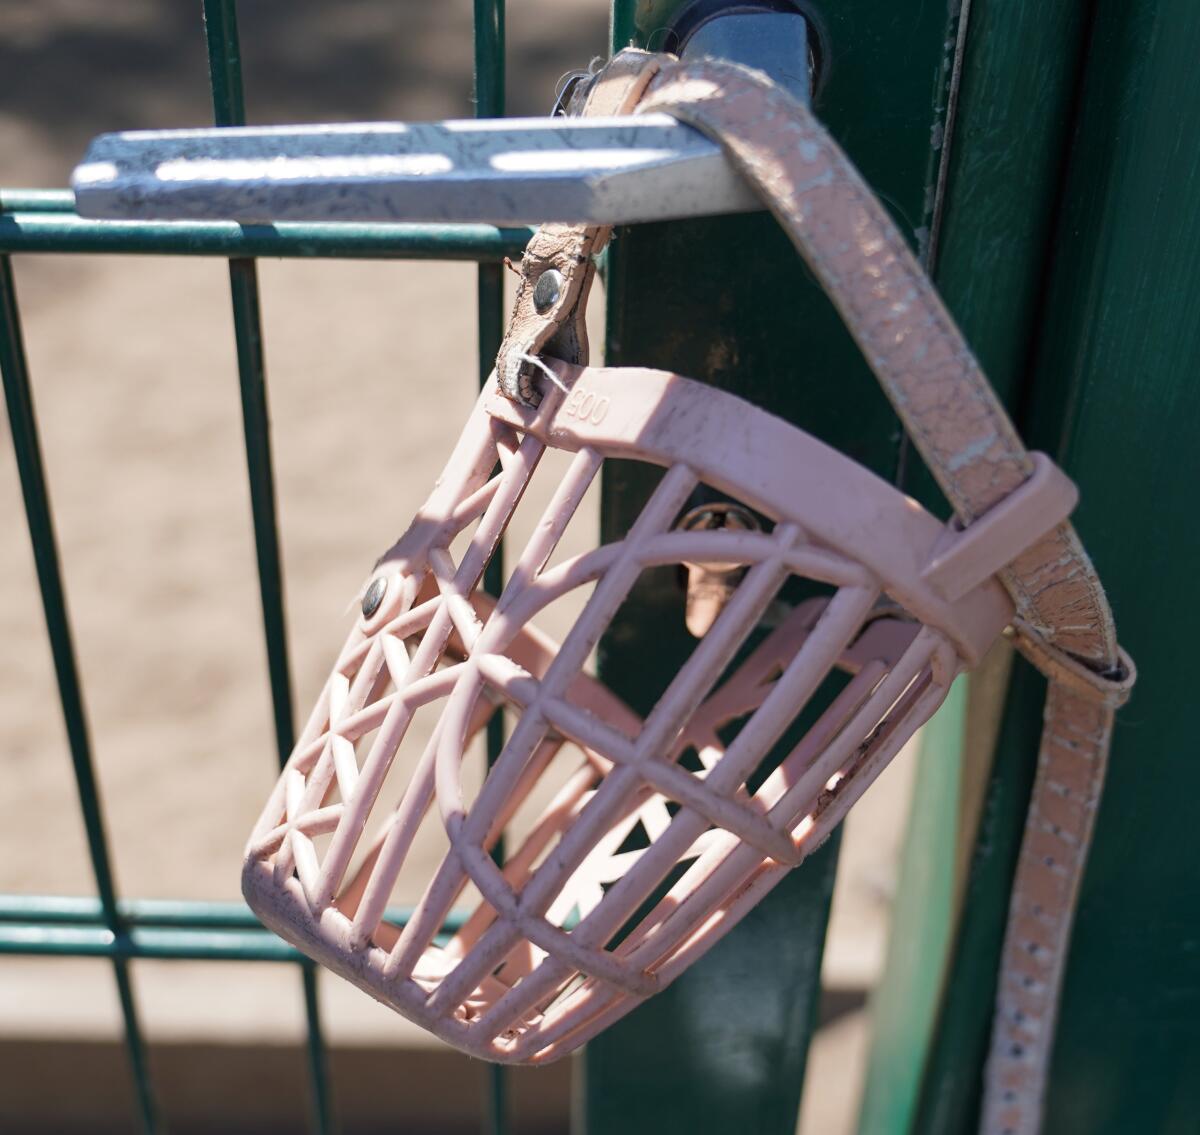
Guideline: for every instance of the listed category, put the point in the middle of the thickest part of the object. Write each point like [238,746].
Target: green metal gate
[1043,161]
[45,221]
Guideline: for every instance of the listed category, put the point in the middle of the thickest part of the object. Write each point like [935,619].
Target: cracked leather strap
[561,330]
[1064,624]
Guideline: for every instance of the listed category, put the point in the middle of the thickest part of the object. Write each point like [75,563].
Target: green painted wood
[1019,77]
[1117,375]
[904,1006]
[1114,396]
[727,300]
[950,1094]
[1019,74]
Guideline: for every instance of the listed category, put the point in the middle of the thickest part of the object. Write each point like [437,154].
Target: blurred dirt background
[371,367]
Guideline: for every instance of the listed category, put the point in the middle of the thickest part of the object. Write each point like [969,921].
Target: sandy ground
[372,367]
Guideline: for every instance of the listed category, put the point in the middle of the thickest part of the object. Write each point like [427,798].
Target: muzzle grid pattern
[651,846]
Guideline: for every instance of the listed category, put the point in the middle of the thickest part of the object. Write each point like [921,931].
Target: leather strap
[925,367]
[560,329]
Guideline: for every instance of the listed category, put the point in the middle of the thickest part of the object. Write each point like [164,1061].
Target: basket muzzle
[631,843]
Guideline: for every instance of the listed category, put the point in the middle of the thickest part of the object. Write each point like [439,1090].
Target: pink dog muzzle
[632,844]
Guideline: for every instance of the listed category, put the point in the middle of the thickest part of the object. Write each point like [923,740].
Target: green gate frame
[1043,160]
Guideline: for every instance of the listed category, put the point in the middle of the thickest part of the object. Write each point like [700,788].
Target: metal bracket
[498,171]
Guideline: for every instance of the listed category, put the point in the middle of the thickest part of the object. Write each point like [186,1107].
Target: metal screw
[547,290]
[374,596]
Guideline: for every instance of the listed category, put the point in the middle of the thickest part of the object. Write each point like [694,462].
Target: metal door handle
[498,171]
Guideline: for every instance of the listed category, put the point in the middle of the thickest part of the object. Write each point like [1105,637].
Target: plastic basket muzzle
[651,836]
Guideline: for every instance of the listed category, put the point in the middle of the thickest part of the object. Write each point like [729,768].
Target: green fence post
[1019,77]
[1115,398]
[1118,367]
[490,73]
[904,1006]
[727,300]
[225,72]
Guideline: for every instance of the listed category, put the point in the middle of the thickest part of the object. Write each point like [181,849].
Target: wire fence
[44,221]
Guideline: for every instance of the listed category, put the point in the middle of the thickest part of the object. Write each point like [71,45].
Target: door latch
[495,171]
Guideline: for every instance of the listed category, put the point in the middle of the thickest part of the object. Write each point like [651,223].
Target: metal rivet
[547,290]
[374,596]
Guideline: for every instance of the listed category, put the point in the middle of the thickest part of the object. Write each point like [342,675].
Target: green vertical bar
[1115,400]
[950,1090]
[727,300]
[1116,394]
[225,71]
[1020,72]
[904,1006]
[623,26]
[23,423]
[1019,78]
[489,103]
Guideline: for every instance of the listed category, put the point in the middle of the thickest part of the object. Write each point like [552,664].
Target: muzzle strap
[1064,624]
[965,437]
[558,266]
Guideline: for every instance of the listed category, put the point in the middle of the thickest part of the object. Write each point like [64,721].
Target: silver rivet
[374,596]
[547,290]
